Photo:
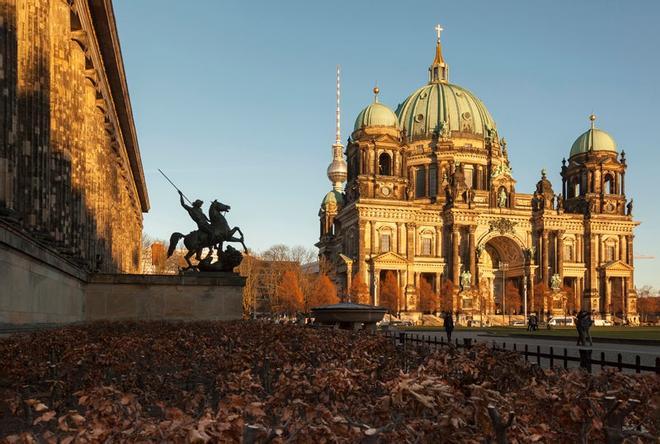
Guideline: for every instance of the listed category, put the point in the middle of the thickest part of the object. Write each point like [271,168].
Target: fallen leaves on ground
[259,382]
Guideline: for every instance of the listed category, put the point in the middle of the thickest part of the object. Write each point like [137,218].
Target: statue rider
[197,214]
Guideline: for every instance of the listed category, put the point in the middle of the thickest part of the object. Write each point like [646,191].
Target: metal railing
[585,358]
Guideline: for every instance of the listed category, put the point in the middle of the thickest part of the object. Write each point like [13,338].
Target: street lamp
[503,266]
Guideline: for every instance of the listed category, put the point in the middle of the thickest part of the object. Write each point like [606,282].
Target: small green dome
[333,197]
[424,112]
[375,114]
[593,139]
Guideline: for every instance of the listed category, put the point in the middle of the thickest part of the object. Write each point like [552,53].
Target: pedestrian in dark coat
[579,326]
[449,325]
[586,325]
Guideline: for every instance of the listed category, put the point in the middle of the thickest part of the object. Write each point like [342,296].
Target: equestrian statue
[212,232]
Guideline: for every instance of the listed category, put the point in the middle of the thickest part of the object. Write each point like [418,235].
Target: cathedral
[426,193]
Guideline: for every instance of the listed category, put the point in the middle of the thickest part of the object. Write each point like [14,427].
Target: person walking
[586,325]
[579,326]
[449,325]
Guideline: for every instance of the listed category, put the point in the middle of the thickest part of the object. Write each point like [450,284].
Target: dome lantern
[438,71]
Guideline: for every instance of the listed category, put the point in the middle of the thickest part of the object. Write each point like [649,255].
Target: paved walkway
[647,353]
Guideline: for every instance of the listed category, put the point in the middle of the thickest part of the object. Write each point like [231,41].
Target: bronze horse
[197,240]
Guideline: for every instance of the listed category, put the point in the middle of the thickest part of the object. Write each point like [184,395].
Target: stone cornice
[98,19]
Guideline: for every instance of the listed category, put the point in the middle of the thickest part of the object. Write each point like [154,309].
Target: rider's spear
[168,179]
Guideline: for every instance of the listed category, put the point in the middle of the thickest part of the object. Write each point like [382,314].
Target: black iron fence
[586,358]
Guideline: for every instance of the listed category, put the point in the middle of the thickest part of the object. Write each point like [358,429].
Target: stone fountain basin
[348,313]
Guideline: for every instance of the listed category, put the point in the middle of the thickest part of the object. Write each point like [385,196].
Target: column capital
[472,228]
[545,235]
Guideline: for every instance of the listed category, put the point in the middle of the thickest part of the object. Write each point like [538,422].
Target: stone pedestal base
[189,297]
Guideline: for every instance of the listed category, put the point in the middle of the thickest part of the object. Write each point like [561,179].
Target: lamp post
[503,267]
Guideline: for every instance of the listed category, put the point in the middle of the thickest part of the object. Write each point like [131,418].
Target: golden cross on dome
[438,29]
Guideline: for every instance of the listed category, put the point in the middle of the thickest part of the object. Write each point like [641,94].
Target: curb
[651,342]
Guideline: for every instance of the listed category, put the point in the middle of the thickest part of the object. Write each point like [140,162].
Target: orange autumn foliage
[390,294]
[359,291]
[323,293]
[430,300]
[289,294]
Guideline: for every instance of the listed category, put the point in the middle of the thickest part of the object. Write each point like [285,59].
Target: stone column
[438,241]
[545,258]
[455,264]
[361,252]
[560,255]
[608,296]
[529,274]
[622,248]
[399,243]
[473,254]
[373,250]
[410,240]
[438,282]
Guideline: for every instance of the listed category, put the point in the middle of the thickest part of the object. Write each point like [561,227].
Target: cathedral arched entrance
[501,273]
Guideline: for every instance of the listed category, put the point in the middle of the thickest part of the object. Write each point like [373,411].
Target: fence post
[565,358]
[657,365]
[526,351]
[552,357]
[538,355]
[467,342]
[602,360]
[619,361]
[402,338]
[585,359]
[515,348]
[637,364]
[456,342]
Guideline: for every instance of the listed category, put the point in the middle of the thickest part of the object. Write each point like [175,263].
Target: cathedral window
[433,181]
[609,184]
[420,182]
[569,253]
[426,246]
[385,242]
[385,165]
[610,252]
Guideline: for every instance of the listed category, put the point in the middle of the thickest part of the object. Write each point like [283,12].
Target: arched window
[420,182]
[609,184]
[384,164]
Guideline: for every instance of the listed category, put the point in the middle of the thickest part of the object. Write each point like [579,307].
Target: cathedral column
[438,241]
[545,258]
[622,248]
[362,228]
[399,243]
[373,238]
[560,255]
[410,240]
[530,290]
[607,282]
[473,255]
[455,265]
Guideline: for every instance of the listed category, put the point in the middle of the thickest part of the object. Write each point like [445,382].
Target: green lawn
[596,332]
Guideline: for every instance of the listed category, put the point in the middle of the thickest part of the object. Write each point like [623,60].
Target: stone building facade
[70,168]
[430,195]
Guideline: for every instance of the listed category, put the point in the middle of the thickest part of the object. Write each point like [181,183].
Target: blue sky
[235,99]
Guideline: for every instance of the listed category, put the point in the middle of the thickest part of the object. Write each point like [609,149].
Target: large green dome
[424,112]
[593,139]
[375,114]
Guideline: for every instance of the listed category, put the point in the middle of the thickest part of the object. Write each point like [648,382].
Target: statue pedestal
[188,297]
[559,301]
